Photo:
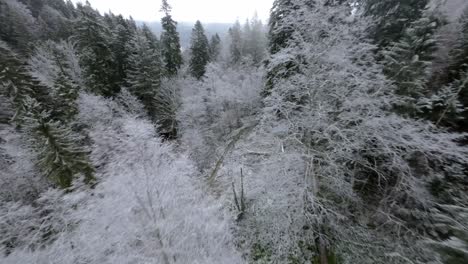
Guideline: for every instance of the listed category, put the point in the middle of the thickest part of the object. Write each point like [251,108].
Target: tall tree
[17,25]
[200,54]
[407,62]
[96,55]
[60,157]
[215,47]
[17,84]
[257,40]
[393,17]
[235,47]
[170,42]
[144,73]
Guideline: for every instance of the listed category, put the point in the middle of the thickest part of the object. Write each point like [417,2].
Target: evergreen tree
[170,42]
[459,55]
[246,41]
[121,36]
[282,33]
[407,62]
[215,47]
[235,47]
[96,55]
[65,96]
[444,107]
[200,54]
[144,73]
[18,27]
[59,157]
[257,40]
[281,30]
[393,17]
[17,84]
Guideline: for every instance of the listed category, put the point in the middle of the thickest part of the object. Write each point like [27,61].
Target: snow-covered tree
[97,60]
[215,47]
[235,47]
[170,42]
[60,157]
[17,25]
[408,61]
[393,17]
[200,53]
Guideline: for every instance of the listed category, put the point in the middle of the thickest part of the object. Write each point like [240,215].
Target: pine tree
[407,62]
[235,47]
[282,33]
[96,56]
[16,82]
[459,55]
[393,17]
[246,41]
[444,107]
[199,51]
[65,96]
[59,156]
[215,47]
[121,36]
[170,42]
[18,27]
[280,30]
[257,40]
[144,73]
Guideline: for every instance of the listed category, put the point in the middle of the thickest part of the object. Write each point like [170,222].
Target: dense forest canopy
[335,132]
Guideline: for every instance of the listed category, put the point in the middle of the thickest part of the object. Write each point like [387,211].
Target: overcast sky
[187,10]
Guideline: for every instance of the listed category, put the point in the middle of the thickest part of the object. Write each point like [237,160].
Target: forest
[336,132]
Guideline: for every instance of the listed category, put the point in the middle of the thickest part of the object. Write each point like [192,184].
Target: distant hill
[185,30]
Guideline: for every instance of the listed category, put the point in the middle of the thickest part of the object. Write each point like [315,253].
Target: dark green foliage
[144,81]
[200,54]
[459,54]
[215,47]
[407,62]
[59,156]
[170,42]
[281,30]
[122,33]
[16,82]
[393,17]
[65,93]
[18,27]
[144,73]
[96,55]
[236,43]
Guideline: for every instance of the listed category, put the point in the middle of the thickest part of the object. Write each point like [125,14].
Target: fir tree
[170,42]
[280,30]
[18,27]
[199,51]
[96,55]
[407,62]
[282,33]
[122,34]
[17,83]
[393,17]
[236,43]
[444,107]
[59,157]
[459,54]
[65,96]
[215,47]
[257,40]
[144,73]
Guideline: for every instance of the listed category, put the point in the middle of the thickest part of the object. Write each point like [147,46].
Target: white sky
[187,10]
